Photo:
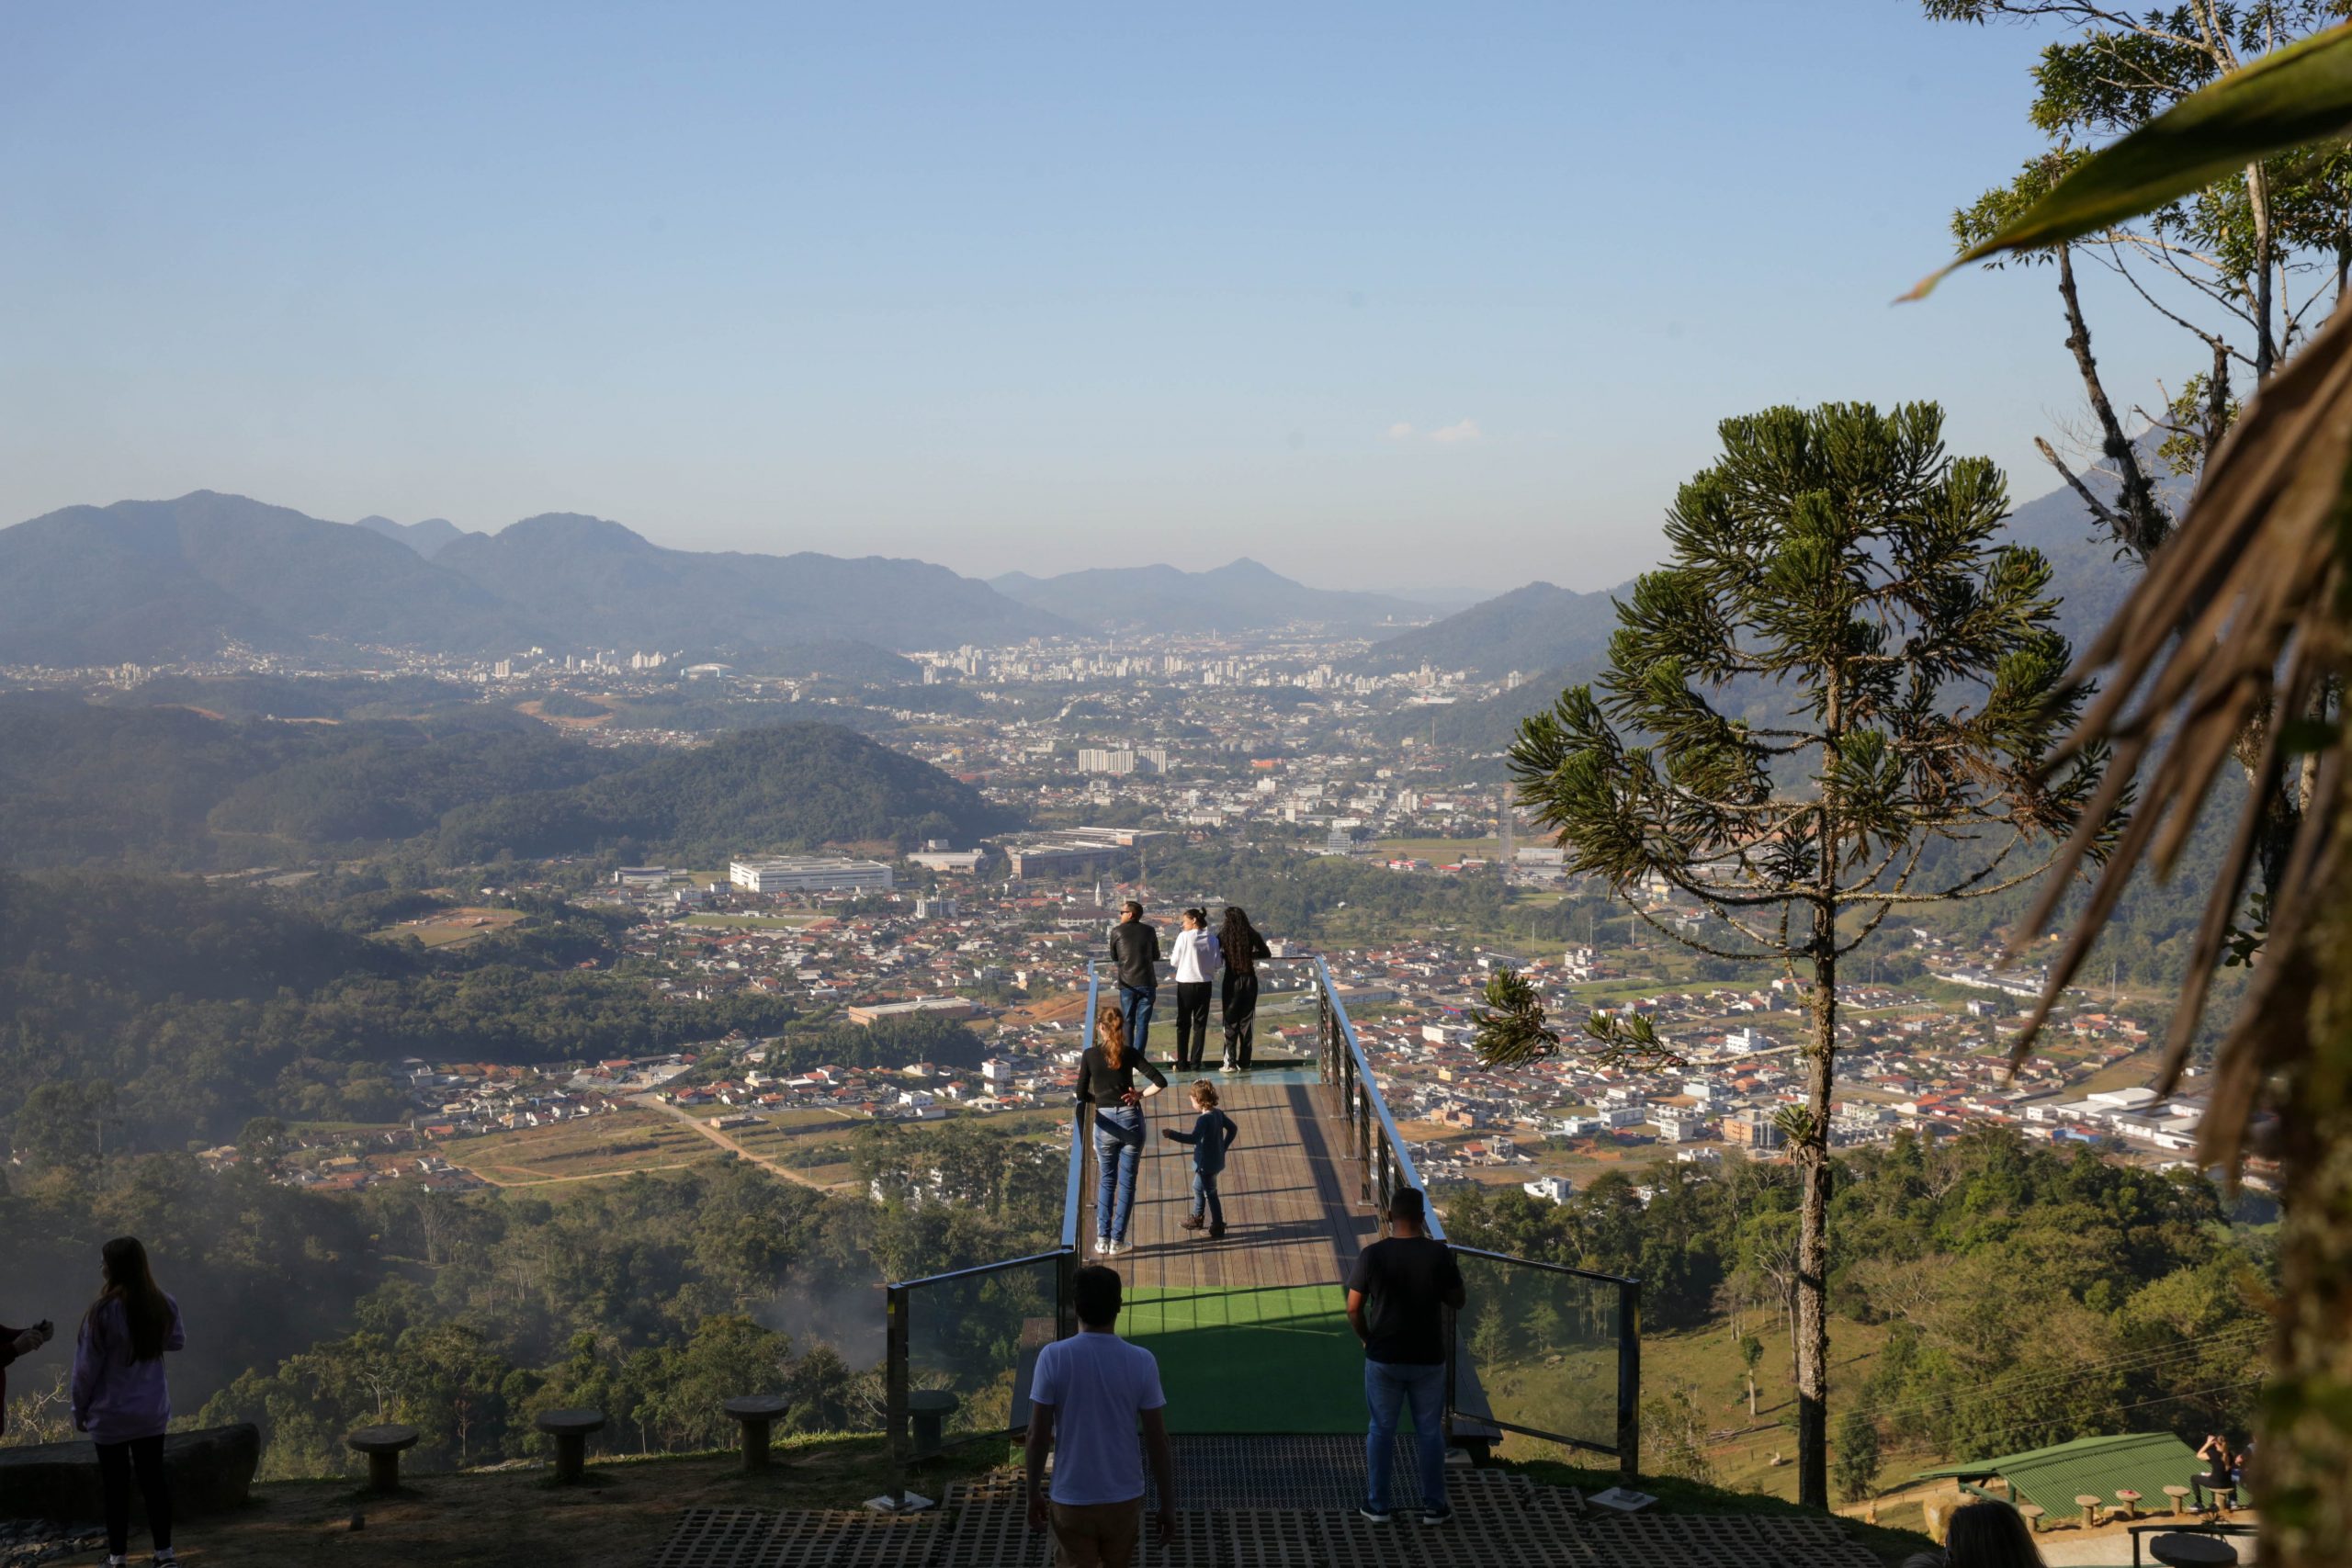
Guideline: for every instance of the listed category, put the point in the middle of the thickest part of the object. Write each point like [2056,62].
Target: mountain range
[152,581]
[1240,596]
[1560,638]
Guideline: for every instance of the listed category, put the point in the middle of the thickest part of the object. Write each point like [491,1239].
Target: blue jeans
[1118,1148]
[1135,1011]
[1389,1386]
[1205,1194]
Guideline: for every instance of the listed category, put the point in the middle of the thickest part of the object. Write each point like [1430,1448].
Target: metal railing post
[894,1378]
[1629,1379]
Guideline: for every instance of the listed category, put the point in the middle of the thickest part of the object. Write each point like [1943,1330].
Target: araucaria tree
[1830,707]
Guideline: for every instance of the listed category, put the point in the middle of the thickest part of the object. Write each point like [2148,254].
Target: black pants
[1191,1023]
[1240,1016]
[115,1463]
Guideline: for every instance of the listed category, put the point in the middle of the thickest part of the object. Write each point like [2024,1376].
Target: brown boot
[1192,1222]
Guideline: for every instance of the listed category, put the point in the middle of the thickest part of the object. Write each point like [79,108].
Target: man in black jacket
[1135,953]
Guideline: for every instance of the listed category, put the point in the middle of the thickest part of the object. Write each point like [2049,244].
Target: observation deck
[1263,1376]
[1251,1330]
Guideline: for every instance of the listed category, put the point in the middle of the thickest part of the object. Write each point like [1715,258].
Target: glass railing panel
[971,1340]
[1536,1352]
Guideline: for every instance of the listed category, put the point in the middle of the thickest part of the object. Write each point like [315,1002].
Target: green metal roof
[2147,1462]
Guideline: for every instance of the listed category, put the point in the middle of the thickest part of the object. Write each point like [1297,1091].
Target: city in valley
[1168,769]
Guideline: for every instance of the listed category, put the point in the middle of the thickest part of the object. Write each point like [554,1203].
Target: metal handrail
[922,1280]
[1373,1100]
[1461,1251]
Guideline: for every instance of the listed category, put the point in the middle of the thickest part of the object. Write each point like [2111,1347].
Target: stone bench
[927,1411]
[757,1413]
[383,1446]
[211,1470]
[2179,1496]
[570,1429]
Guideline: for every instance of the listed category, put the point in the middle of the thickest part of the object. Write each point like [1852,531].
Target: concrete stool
[2177,1493]
[927,1411]
[570,1429]
[2184,1551]
[383,1446]
[2089,1505]
[2130,1501]
[757,1413]
[2031,1514]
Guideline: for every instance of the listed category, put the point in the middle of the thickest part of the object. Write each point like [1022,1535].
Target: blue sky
[1382,295]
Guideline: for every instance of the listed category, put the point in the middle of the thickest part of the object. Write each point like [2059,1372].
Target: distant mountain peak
[575,528]
[426,539]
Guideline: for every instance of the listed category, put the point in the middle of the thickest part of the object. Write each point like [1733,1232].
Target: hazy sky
[1380,294]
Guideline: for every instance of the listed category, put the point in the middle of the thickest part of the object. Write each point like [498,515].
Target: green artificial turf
[1275,1360]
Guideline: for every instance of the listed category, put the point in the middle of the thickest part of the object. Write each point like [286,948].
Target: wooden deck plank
[1289,1190]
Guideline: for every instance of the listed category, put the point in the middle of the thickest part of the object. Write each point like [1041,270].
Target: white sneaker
[1122,1245]
[1102,1246]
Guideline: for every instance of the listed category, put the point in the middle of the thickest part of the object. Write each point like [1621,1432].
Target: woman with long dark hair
[1989,1533]
[120,1397]
[1106,1081]
[1242,947]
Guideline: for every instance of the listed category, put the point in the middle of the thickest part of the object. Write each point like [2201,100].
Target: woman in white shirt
[1196,957]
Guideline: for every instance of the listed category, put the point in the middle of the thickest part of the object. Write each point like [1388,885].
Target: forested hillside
[791,786]
[169,788]
[2034,1294]
[142,1013]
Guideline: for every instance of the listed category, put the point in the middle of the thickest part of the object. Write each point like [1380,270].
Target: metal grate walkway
[1501,1521]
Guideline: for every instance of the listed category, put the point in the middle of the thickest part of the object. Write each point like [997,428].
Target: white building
[1552,1189]
[808,873]
[1102,760]
[958,861]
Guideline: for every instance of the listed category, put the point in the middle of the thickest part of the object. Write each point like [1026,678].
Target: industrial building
[809,874]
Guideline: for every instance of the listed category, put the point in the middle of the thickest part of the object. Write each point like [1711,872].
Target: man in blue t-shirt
[1093,1388]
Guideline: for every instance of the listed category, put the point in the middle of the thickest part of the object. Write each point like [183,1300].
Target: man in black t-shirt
[1397,1301]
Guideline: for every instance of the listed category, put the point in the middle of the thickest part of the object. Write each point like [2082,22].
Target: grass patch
[1277,1359]
[1439,851]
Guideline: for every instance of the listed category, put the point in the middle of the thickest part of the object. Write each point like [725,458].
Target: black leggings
[115,1463]
[1191,1023]
[1240,1016]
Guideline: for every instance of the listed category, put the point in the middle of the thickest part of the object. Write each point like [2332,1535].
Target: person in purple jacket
[119,1394]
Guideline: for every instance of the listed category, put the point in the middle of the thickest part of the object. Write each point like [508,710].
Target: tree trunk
[1813,1228]
[2266,341]
[2304,1451]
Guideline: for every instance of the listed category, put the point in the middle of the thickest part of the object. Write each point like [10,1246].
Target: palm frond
[2229,638]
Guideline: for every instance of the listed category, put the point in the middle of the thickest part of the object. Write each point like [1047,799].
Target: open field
[537,709]
[452,928]
[1439,852]
[621,1144]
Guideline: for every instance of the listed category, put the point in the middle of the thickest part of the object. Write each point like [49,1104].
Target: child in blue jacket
[1213,1133]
